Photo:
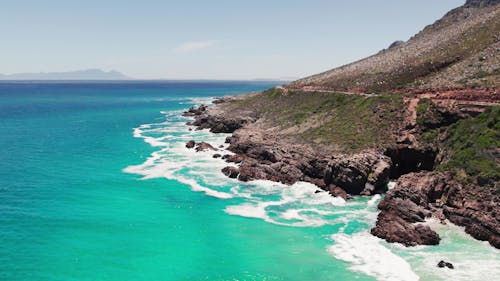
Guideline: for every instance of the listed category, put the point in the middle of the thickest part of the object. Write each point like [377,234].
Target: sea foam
[366,254]
[301,205]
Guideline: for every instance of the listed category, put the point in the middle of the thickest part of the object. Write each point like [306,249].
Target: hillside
[352,129]
[460,50]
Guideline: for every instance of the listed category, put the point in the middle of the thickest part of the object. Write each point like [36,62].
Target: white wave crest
[366,254]
[301,205]
[472,259]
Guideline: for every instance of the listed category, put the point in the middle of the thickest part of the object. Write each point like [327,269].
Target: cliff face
[460,50]
[463,188]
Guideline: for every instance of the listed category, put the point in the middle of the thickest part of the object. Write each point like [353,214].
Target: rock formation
[424,112]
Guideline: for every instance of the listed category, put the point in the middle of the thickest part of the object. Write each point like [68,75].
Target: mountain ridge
[480,3]
[87,74]
[460,50]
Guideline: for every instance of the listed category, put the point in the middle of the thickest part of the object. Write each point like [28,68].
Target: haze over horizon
[201,40]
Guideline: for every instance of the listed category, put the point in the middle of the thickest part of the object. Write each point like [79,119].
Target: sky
[217,39]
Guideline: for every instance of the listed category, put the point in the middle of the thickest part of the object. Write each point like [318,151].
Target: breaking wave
[300,205]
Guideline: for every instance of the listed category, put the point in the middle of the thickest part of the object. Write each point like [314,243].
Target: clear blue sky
[226,39]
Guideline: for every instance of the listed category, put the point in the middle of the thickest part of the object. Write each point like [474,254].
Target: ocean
[96,184]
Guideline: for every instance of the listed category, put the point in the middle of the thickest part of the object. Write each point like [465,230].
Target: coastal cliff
[424,113]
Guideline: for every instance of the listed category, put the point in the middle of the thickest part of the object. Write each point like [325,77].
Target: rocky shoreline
[267,157]
[424,113]
[420,193]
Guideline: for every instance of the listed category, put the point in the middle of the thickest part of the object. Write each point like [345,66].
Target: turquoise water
[95,184]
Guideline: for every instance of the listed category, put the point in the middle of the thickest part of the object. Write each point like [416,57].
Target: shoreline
[262,155]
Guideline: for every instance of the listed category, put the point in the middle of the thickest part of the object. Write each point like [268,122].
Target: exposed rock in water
[202,146]
[443,264]
[402,212]
[193,111]
[217,155]
[190,144]
[395,229]
[231,172]
[421,195]
[218,124]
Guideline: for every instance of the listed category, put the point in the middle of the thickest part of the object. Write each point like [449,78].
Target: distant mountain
[88,74]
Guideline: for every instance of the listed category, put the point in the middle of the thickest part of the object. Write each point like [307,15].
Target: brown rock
[234,158]
[402,209]
[231,172]
[193,111]
[395,229]
[360,173]
[202,146]
[190,144]
[443,264]
[420,195]
[337,192]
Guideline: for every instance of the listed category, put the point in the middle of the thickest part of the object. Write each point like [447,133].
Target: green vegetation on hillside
[423,109]
[350,122]
[429,116]
[472,146]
